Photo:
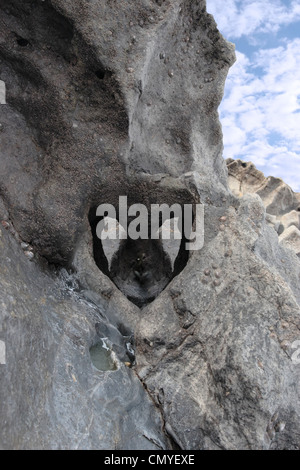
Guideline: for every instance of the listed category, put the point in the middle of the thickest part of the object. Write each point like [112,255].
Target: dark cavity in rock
[22,41]
[141,269]
[101,73]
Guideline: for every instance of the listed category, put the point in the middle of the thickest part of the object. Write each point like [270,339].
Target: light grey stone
[291,237]
[291,218]
[281,202]
[222,378]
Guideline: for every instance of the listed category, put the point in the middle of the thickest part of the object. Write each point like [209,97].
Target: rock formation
[281,202]
[107,99]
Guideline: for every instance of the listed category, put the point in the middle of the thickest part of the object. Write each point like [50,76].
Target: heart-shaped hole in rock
[140,268]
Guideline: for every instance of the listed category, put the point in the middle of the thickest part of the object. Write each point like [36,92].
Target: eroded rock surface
[94,93]
[52,396]
[215,349]
[105,99]
[281,202]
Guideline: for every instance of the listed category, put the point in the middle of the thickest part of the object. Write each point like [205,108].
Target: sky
[260,111]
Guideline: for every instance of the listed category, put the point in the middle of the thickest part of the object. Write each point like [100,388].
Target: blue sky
[260,111]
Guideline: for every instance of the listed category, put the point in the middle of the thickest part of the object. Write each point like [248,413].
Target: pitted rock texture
[94,93]
[104,99]
[215,348]
[281,202]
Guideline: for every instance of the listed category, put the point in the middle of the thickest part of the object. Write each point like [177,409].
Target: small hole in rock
[101,357]
[102,73]
[22,42]
[244,165]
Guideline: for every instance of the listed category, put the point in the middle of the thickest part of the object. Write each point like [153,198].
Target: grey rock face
[94,93]
[216,347]
[52,396]
[291,237]
[120,98]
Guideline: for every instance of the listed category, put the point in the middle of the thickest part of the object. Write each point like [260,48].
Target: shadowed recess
[141,269]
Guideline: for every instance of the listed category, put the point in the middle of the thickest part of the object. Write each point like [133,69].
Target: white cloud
[260,111]
[237,18]
[260,114]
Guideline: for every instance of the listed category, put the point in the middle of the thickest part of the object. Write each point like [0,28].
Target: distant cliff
[281,202]
[101,99]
